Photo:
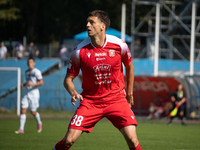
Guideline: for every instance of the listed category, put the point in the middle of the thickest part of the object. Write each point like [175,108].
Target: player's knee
[33,113]
[132,140]
[23,110]
[181,113]
[69,141]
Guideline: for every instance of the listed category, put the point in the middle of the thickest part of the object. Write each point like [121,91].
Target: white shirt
[3,50]
[19,50]
[34,76]
[63,53]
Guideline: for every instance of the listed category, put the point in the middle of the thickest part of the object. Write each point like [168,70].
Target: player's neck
[99,40]
[31,69]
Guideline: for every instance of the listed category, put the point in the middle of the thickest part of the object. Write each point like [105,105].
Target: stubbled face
[94,26]
[31,64]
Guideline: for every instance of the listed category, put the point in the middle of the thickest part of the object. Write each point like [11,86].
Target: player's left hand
[22,85]
[130,99]
[179,103]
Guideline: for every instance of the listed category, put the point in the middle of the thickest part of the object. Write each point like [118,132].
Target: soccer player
[31,98]
[178,97]
[100,59]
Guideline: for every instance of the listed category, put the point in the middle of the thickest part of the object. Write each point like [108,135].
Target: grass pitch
[153,135]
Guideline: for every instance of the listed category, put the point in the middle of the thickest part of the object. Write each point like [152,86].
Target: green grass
[153,135]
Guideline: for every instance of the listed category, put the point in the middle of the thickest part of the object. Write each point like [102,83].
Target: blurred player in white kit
[31,98]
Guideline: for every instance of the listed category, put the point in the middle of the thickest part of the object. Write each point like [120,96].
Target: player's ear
[103,27]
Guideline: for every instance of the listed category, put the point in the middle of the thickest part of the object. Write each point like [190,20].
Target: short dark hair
[102,16]
[30,57]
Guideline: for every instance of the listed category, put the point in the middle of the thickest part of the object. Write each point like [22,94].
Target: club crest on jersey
[111,53]
[88,54]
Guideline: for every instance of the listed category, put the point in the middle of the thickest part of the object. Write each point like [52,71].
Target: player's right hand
[22,85]
[29,83]
[75,97]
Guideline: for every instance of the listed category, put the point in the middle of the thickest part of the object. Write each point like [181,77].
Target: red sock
[138,147]
[61,146]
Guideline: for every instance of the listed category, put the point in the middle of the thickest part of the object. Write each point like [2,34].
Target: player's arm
[130,80]
[22,85]
[173,99]
[69,86]
[39,83]
[181,101]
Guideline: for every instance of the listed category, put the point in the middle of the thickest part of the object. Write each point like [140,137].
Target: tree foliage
[8,11]
[44,21]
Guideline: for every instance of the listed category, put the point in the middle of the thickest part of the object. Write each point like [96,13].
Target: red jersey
[102,70]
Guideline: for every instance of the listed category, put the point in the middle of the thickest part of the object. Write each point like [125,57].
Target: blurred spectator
[152,110]
[19,51]
[159,101]
[33,51]
[178,97]
[163,107]
[63,55]
[163,110]
[196,113]
[3,51]
[168,107]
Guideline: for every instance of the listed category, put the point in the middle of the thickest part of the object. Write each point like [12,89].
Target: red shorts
[87,115]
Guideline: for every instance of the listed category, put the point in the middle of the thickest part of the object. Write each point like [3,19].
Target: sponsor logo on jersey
[111,53]
[103,82]
[102,74]
[88,54]
[100,54]
[133,117]
[102,67]
[99,59]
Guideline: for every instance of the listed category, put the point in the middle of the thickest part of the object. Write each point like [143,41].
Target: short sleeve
[74,63]
[125,54]
[38,75]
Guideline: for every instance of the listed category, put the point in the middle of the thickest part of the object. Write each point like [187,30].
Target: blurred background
[48,24]
[50,30]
